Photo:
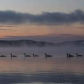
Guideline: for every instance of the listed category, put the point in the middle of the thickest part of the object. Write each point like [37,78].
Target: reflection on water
[55,70]
[41,65]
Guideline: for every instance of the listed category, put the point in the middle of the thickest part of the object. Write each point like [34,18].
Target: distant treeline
[20,43]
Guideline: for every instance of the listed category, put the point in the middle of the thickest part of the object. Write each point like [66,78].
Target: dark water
[55,70]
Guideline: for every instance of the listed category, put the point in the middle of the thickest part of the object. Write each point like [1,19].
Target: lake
[40,70]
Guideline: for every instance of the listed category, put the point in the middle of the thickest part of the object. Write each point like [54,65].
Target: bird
[69,55]
[2,55]
[13,55]
[46,55]
[79,55]
[27,55]
[35,55]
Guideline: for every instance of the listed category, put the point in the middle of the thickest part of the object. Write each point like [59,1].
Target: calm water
[55,70]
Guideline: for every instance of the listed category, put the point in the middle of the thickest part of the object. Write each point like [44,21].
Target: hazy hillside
[20,43]
[71,43]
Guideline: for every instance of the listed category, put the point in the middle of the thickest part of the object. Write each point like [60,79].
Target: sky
[45,20]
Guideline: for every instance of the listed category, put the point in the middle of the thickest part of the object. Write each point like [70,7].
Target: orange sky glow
[40,30]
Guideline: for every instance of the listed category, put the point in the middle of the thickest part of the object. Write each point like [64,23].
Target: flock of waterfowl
[25,55]
[46,55]
[70,55]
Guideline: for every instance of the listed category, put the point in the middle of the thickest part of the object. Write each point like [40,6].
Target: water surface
[55,70]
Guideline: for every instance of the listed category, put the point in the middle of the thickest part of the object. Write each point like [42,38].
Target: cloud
[5,29]
[46,18]
[7,26]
